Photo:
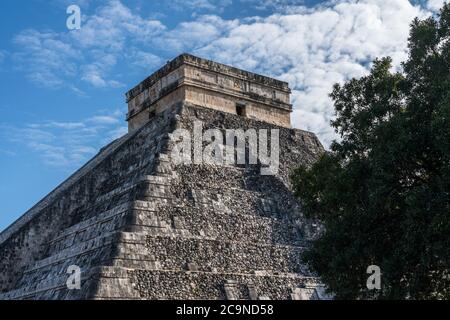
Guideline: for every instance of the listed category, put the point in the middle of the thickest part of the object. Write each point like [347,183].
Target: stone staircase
[155,230]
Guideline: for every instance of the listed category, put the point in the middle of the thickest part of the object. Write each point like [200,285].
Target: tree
[382,192]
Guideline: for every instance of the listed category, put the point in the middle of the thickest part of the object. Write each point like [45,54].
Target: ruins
[139,226]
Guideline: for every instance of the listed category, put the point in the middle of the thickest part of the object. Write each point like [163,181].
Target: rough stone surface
[211,85]
[141,227]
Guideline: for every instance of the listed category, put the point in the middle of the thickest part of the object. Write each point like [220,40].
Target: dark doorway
[240,109]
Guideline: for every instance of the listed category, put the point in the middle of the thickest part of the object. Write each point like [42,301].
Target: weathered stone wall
[217,100]
[212,85]
[155,284]
[75,223]
[140,226]
[235,228]
[145,112]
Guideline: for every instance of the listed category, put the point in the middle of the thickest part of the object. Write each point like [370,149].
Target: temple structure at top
[211,85]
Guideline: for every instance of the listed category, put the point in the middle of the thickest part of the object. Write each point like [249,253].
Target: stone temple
[139,226]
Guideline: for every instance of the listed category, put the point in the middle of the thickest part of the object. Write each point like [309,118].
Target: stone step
[119,245]
[203,254]
[122,189]
[80,249]
[43,288]
[90,223]
[176,250]
[217,225]
[120,281]
[198,285]
[221,199]
[172,249]
[104,153]
[164,166]
[116,282]
[136,263]
[156,184]
[153,181]
[110,220]
[113,278]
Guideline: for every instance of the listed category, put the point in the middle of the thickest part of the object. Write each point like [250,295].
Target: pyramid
[138,225]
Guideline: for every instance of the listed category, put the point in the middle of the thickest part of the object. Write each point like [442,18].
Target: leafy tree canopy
[383,191]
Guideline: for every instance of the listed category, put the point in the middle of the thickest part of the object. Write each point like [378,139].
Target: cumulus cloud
[95,72]
[314,48]
[310,47]
[195,34]
[59,59]
[435,5]
[113,26]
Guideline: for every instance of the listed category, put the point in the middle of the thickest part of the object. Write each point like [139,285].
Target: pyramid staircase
[149,229]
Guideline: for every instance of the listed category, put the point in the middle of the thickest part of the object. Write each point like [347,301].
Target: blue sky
[62,91]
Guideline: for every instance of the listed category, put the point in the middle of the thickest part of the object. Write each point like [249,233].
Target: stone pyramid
[139,226]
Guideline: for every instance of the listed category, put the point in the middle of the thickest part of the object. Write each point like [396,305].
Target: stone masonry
[142,227]
[212,85]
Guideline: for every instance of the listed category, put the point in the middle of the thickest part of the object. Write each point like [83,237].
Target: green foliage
[383,191]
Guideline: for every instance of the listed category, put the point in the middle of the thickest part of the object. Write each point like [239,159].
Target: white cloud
[144,60]
[103,120]
[314,48]
[311,48]
[67,145]
[60,125]
[90,54]
[435,5]
[210,5]
[194,34]
[279,5]
[112,26]
[45,57]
